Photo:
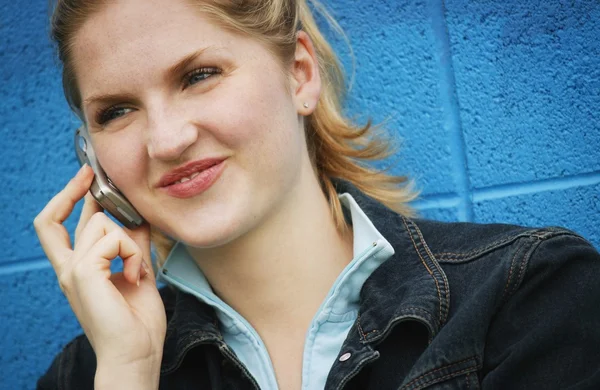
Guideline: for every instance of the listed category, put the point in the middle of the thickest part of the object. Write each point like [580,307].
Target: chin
[203,232]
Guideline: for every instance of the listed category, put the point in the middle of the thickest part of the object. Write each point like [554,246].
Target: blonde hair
[338,147]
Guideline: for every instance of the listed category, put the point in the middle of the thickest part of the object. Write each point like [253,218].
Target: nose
[169,135]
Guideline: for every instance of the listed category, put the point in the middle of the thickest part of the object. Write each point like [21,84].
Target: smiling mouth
[193,179]
[188,178]
[188,171]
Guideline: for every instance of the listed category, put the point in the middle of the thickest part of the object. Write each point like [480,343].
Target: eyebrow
[108,97]
[185,61]
[172,70]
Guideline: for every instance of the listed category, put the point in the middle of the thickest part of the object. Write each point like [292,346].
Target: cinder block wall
[496,102]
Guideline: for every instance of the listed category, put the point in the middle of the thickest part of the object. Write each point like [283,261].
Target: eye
[198,75]
[106,115]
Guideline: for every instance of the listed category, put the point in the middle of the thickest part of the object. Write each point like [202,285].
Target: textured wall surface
[497,104]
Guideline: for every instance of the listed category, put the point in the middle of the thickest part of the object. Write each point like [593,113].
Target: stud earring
[305,105]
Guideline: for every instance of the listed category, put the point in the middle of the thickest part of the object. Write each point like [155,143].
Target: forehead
[129,36]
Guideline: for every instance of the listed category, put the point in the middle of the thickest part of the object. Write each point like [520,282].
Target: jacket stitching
[437,286]
[533,246]
[423,261]
[522,270]
[415,246]
[176,363]
[541,234]
[416,308]
[448,376]
[446,287]
[477,251]
[362,333]
[510,271]
[357,367]
[442,368]
[404,310]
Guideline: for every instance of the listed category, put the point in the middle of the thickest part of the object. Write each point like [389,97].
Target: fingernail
[82,169]
[145,268]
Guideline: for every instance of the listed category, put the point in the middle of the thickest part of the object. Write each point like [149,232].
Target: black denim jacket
[459,306]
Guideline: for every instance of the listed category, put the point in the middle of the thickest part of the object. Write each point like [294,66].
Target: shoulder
[75,366]
[465,241]
[459,242]
[489,267]
[528,296]
[471,252]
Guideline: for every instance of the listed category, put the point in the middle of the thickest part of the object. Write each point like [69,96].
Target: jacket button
[345,357]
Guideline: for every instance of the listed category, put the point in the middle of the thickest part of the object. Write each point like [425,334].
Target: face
[168,94]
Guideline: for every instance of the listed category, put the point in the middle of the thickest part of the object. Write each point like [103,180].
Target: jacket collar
[409,285]
[189,323]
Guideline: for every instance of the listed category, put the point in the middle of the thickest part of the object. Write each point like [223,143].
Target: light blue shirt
[330,325]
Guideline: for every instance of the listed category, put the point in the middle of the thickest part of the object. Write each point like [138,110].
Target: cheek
[122,158]
[258,120]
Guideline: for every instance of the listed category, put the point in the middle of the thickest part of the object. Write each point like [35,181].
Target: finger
[118,243]
[61,206]
[98,226]
[141,236]
[90,207]
[48,224]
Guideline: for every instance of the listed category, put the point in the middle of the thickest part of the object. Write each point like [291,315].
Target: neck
[278,275]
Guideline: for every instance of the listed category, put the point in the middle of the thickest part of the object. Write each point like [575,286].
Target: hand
[124,322]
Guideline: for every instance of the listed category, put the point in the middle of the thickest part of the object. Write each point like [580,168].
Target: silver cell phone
[102,188]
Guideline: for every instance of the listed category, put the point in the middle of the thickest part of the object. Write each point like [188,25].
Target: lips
[188,171]
[193,178]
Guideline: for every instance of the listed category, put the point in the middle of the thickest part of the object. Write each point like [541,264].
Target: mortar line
[451,109]
[20,259]
[524,188]
[432,201]
[24,265]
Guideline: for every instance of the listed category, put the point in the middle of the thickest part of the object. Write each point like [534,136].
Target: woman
[290,264]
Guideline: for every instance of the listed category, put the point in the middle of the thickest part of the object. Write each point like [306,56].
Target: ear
[306,80]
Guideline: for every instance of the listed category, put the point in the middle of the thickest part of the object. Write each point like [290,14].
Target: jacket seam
[425,264]
[448,376]
[404,313]
[543,234]
[529,252]
[357,367]
[468,369]
[443,303]
[524,262]
[478,251]
[364,335]
[511,269]
[191,344]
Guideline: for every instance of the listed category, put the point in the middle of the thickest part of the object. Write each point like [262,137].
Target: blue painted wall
[497,104]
